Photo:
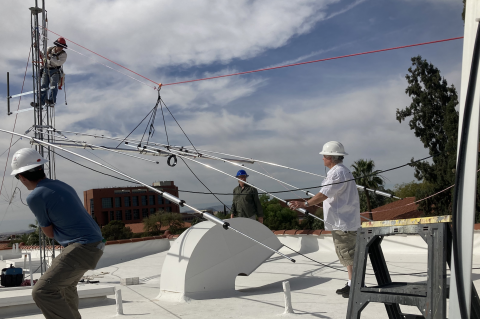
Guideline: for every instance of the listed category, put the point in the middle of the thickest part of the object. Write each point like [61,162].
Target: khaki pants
[55,293]
[345,246]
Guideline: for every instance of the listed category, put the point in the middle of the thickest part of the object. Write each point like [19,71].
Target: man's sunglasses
[17,176]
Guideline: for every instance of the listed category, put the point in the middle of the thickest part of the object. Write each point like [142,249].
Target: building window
[160,200]
[121,191]
[144,212]
[119,215]
[118,202]
[112,215]
[91,206]
[152,211]
[107,202]
[134,201]
[127,201]
[151,199]
[141,190]
[144,200]
[167,202]
[168,209]
[128,214]
[136,214]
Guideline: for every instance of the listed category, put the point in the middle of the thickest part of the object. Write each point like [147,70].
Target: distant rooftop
[400,209]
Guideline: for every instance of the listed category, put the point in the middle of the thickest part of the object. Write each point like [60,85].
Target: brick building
[128,204]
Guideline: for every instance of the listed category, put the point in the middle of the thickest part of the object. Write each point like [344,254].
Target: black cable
[20,195]
[193,147]
[180,190]
[164,124]
[343,270]
[203,183]
[136,126]
[151,122]
[122,179]
[459,173]
[179,126]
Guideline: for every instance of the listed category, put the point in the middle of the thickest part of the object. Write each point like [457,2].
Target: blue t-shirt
[55,203]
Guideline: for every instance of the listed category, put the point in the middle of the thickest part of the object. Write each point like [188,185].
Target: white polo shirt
[341,210]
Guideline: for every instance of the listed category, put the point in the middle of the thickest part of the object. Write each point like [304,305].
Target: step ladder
[430,297]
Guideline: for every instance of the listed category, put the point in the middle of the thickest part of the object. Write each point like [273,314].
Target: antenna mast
[44,115]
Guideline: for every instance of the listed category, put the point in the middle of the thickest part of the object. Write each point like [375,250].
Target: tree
[411,189]
[153,223]
[276,216]
[174,221]
[434,120]
[366,175]
[222,215]
[313,223]
[34,237]
[116,230]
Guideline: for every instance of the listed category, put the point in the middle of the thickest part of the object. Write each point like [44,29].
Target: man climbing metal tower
[56,57]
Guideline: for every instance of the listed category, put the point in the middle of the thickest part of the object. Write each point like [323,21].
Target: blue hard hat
[241,172]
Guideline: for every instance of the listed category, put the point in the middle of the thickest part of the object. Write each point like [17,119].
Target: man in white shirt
[341,207]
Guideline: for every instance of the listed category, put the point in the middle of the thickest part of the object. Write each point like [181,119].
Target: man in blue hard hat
[245,199]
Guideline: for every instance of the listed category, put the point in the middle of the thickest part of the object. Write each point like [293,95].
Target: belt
[56,67]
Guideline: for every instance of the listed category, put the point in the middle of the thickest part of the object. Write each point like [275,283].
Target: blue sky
[282,116]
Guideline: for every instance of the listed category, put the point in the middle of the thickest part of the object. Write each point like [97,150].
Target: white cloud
[145,34]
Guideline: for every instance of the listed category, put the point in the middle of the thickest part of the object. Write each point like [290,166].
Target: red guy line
[103,57]
[264,69]
[315,61]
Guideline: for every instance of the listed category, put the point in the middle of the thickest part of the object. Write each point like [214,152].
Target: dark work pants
[55,293]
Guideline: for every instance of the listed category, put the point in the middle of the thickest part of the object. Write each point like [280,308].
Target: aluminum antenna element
[165,195]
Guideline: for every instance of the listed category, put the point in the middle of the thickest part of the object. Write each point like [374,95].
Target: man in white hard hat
[62,216]
[341,207]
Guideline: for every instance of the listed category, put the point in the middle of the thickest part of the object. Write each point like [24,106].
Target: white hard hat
[26,159]
[333,148]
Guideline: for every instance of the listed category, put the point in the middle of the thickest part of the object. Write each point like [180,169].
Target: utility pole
[43,115]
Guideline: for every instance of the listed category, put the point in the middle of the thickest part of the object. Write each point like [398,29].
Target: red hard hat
[60,42]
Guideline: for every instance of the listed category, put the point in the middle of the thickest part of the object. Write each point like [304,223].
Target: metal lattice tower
[44,116]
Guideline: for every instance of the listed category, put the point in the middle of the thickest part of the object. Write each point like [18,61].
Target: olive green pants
[55,293]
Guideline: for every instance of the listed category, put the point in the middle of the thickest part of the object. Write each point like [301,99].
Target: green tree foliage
[174,221]
[277,217]
[313,223]
[434,120]
[116,230]
[222,215]
[153,223]
[411,189]
[366,175]
[33,238]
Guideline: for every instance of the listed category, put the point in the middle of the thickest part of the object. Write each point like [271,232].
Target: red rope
[264,69]
[314,61]
[103,57]
[15,123]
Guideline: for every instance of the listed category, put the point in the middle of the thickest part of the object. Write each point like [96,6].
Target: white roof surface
[259,295]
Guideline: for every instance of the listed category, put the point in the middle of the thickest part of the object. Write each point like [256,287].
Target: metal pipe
[168,196]
[244,160]
[301,210]
[8,93]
